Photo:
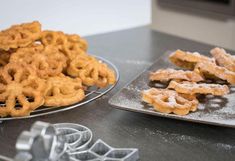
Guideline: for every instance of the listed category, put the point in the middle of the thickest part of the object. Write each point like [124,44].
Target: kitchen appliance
[226,7]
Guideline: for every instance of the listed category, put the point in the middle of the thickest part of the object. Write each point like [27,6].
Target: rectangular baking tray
[214,110]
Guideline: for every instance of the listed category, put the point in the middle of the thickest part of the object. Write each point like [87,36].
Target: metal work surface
[215,110]
[157,138]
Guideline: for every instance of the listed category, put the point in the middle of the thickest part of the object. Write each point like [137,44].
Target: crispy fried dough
[46,61]
[164,75]
[63,91]
[169,101]
[211,70]
[188,60]
[20,90]
[198,88]
[91,71]
[20,35]
[223,58]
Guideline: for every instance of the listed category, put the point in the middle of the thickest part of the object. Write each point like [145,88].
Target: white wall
[85,17]
[216,30]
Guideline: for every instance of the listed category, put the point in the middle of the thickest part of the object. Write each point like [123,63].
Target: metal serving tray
[212,110]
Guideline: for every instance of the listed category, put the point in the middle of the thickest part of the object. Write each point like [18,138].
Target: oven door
[219,6]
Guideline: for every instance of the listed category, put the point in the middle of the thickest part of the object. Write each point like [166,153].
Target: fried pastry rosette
[72,48]
[20,35]
[169,101]
[46,61]
[70,45]
[106,76]
[53,38]
[188,60]
[165,75]
[91,71]
[223,58]
[20,90]
[211,70]
[76,41]
[62,91]
[195,88]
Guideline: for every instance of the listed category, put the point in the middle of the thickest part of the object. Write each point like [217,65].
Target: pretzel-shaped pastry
[20,90]
[164,75]
[202,88]
[188,60]
[62,91]
[169,101]
[91,71]
[20,35]
[211,70]
[223,59]
[47,61]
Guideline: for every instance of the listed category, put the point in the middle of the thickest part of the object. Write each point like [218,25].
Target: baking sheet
[212,109]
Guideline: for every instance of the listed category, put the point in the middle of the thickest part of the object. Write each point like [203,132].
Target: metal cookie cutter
[66,142]
[41,144]
[77,137]
[101,151]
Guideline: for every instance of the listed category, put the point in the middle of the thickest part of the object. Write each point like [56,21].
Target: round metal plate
[91,94]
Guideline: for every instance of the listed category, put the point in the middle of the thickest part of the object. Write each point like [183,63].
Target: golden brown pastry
[169,101]
[63,91]
[223,58]
[211,70]
[48,68]
[91,71]
[164,75]
[46,61]
[198,88]
[70,45]
[20,90]
[20,35]
[188,60]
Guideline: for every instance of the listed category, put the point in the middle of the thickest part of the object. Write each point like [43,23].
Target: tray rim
[171,116]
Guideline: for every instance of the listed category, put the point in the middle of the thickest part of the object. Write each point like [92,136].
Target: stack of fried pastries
[184,86]
[45,68]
